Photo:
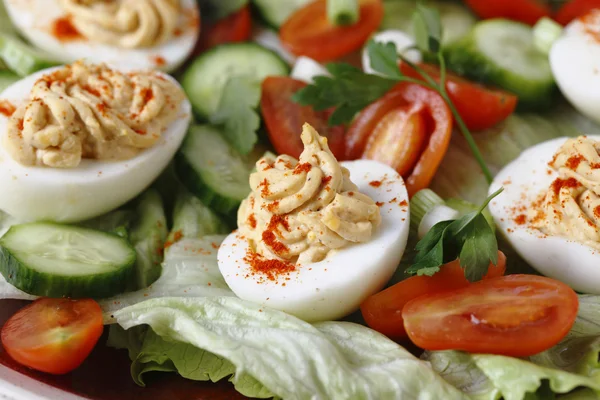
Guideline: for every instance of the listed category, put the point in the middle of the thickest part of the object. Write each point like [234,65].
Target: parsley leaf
[237,112]
[348,89]
[384,58]
[427,28]
[470,239]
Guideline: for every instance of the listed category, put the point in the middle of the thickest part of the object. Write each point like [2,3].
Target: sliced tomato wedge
[284,118]
[398,138]
[235,27]
[514,315]
[53,335]
[404,135]
[526,11]
[308,31]
[383,310]
[575,9]
[480,107]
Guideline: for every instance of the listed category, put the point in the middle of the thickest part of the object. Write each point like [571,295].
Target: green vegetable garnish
[237,113]
[470,239]
[350,90]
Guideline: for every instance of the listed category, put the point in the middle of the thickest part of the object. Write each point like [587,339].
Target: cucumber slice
[212,170]
[7,78]
[276,12]
[22,58]
[216,9]
[502,52]
[205,79]
[456,19]
[53,260]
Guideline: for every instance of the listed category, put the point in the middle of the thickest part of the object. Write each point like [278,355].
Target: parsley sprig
[470,239]
[350,90]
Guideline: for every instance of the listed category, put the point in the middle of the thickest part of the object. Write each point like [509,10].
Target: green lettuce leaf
[189,270]
[148,235]
[491,377]
[192,219]
[579,351]
[289,357]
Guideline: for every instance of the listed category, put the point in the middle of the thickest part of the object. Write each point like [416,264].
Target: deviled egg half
[550,209]
[316,237]
[80,140]
[575,63]
[142,33]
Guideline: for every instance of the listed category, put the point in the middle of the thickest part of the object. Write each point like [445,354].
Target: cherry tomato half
[526,11]
[383,310]
[308,31]
[436,120]
[233,28]
[480,107]
[574,9]
[53,335]
[284,118]
[513,315]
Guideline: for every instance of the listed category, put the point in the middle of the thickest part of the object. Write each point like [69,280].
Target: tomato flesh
[53,335]
[514,315]
[383,311]
[284,118]
[309,32]
[526,11]
[437,124]
[575,9]
[479,107]
[236,27]
[398,139]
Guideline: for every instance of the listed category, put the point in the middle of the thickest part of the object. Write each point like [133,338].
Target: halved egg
[48,26]
[524,180]
[334,287]
[575,63]
[94,187]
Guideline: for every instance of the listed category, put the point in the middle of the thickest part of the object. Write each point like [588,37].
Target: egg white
[524,180]
[34,19]
[334,287]
[94,187]
[575,62]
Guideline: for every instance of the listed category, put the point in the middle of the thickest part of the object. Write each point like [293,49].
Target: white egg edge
[299,298]
[89,170]
[569,261]
[569,60]
[36,30]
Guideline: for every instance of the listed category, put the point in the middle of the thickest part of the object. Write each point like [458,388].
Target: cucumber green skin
[196,185]
[248,54]
[465,59]
[21,58]
[217,9]
[264,8]
[38,283]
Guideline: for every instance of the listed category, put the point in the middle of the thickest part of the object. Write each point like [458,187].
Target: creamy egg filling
[301,210]
[125,23]
[91,111]
[571,205]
